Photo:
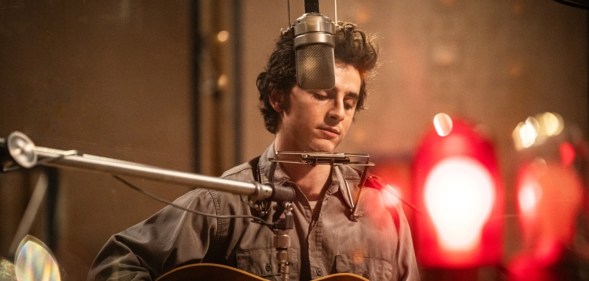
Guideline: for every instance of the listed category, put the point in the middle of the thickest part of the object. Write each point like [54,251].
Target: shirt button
[268,267]
[365,274]
[318,272]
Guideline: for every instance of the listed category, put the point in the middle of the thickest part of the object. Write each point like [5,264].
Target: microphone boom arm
[23,151]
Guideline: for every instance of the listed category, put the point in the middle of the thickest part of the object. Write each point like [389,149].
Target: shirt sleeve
[408,269]
[165,240]
[406,260]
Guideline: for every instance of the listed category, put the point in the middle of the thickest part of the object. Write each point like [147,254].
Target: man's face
[319,120]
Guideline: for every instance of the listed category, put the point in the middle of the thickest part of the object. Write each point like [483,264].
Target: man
[336,228]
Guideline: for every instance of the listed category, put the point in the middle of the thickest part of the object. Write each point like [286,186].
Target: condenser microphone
[314,44]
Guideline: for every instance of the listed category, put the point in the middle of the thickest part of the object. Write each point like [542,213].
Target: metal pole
[26,154]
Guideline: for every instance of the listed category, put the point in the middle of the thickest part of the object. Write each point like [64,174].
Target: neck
[310,179]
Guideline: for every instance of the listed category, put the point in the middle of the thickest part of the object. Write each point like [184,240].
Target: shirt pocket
[374,269]
[263,262]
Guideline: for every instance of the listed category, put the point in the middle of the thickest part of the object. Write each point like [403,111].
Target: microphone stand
[23,152]
[284,223]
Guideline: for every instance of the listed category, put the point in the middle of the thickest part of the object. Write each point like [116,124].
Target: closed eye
[348,105]
[320,96]
[350,101]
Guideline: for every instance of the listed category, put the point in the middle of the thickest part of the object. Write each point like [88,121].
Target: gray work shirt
[324,240]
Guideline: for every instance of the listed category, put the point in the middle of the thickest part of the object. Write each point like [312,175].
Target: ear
[276,100]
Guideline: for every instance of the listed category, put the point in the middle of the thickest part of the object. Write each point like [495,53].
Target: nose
[337,111]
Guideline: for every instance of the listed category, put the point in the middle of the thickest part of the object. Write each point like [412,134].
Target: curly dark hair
[352,46]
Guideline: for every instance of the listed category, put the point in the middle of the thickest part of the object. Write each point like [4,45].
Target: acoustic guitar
[205,271]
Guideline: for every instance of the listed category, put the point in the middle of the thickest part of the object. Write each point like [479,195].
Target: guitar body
[204,271]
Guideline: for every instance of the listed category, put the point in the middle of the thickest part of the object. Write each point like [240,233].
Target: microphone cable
[170,203]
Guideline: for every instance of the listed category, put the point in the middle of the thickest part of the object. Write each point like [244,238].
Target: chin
[323,147]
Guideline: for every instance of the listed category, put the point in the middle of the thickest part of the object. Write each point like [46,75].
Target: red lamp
[550,192]
[458,192]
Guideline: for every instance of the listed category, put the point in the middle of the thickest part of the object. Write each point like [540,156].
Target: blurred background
[494,89]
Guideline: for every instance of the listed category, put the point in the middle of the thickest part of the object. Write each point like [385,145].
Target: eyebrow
[350,94]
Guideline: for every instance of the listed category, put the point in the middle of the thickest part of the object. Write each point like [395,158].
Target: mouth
[330,131]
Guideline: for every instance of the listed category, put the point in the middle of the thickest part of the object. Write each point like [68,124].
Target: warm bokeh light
[222,81]
[525,134]
[536,129]
[223,36]
[443,124]
[552,124]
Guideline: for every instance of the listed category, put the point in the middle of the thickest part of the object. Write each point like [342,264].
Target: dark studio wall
[107,78]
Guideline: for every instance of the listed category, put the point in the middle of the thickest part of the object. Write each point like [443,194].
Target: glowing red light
[549,198]
[567,153]
[457,190]
[459,196]
[391,196]
[528,197]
